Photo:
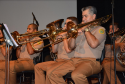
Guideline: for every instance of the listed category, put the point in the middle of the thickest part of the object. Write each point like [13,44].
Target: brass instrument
[26,38]
[120,56]
[55,29]
[22,38]
[73,28]
[117,33]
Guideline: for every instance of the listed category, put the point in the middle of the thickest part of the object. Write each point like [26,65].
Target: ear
[35,30]
[94,16]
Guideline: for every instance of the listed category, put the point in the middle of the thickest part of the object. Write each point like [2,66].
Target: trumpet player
[25,55]
[60,65]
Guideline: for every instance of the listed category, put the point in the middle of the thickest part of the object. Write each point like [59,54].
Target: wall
[17,14]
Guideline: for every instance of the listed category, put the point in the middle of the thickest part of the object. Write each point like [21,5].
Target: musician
[25,55]
[108,62]
[63,56]
[86,48]
[2,48]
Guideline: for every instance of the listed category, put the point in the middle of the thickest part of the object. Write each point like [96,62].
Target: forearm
[54,48]
[91,40]
[72,43]
[66,46]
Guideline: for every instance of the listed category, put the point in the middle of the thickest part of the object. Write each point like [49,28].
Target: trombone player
[63,55]
[25,55]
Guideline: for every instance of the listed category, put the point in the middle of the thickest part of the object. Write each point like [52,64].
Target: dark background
[104,7]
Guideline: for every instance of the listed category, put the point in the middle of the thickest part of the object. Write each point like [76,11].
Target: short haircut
[115,24]
[35,27]
[92,9]
[74,19]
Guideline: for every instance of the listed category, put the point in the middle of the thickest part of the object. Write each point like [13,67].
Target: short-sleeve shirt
[62,54]
[83,50]
[24,53]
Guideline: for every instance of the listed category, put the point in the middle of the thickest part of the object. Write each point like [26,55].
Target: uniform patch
[101,31]
[39,42]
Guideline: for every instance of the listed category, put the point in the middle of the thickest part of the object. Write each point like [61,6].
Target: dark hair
[74,19]
[92,9]
[35,27]
[0,26]
[115,24]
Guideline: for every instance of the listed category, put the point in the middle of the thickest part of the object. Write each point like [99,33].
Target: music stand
[9,42]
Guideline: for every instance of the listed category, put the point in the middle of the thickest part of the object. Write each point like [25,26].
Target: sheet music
[9,38]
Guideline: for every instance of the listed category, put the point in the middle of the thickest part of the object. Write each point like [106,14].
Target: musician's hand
[122,47]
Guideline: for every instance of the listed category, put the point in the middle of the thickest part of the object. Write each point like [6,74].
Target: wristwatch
[86,29]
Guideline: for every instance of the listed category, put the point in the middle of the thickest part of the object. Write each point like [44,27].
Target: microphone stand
[114,40]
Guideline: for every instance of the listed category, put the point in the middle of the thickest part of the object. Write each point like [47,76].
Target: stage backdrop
[17,14]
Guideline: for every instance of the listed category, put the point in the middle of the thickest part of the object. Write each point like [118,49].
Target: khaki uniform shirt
[24,53]
[62,54]
[83,50]
[2,57]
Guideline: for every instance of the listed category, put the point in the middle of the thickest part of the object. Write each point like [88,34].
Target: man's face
[111,29]
[87,16]
[1,34]
[30,29]
[65,25]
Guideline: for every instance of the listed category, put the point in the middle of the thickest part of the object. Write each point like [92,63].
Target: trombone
[55,29]
[22,40]
[72,29]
